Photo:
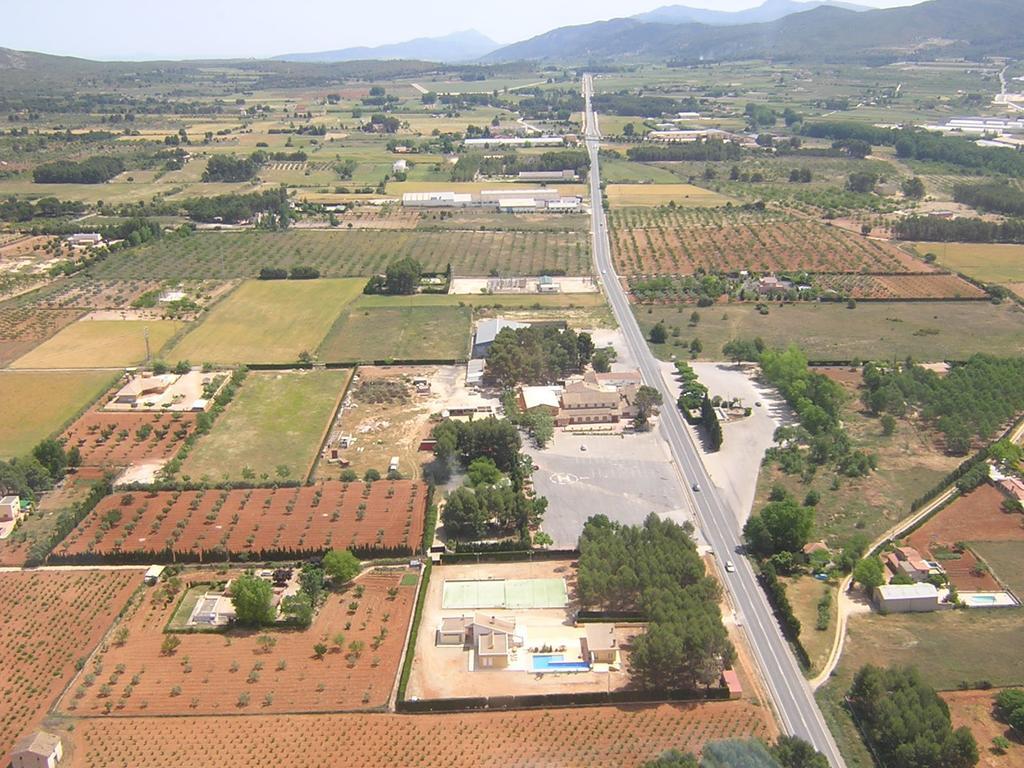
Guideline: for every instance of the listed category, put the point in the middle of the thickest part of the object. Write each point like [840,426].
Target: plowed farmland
[209,672]
[349,253]
[49,620]
[259,523]
[122,439]
[673,241]
[900,287]
[595,737]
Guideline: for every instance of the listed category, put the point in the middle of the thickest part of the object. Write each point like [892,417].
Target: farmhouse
[487,331]
[141,387]
[85,239]
[590,402]
[546,399]
[37,750]
[909,561]
[907,598]
[1012,487]
[492,639]
[399,166]
[10,515]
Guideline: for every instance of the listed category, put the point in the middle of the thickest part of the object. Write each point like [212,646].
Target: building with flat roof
[440,199]
[540,398]
[602,647]
[516,141]
[907,598]
[10,515]
[487,331]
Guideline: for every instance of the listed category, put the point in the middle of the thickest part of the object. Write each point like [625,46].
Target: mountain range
[825,33]
[456,47]
[770,10]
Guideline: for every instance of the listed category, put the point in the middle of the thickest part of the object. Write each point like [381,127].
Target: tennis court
[504,593]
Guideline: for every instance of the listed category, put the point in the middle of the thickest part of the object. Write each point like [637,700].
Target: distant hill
[456,47]
[770,10]
[825,33]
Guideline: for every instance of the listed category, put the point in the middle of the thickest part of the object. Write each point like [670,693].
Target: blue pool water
[555,662]
[981,599]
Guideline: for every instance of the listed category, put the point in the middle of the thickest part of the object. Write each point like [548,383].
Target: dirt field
[685,195]
[976,516]
[47,622]
[100,344]
[213,669]
[383,428]
[663,241]
[121,439]
[36,404]
[443,672]
[974,709]
[257,522]
[1005,558]
[896,287]
[595,737]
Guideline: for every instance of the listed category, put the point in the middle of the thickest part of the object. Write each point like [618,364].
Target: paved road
[790,693]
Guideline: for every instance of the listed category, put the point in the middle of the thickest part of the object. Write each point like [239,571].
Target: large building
[516,141]
[487,331]
[439,199]
[907,598]
[585,400]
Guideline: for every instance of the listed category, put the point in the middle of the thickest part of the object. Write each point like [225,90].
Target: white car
[730,567]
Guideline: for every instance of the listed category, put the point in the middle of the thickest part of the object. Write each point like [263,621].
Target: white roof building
[535,397]
[907,598]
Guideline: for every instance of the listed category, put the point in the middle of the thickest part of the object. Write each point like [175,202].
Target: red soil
[121,439]
[590,737]
[48,620]
[974,709]
[201,667]
[254,522]
[897,287]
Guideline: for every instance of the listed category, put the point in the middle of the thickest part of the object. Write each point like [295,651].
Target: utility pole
[145,333]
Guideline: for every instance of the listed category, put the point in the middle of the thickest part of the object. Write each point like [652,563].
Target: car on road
[583,447]
[696,486]
[730,567]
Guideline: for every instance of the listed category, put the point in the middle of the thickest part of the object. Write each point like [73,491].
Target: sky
[144,29]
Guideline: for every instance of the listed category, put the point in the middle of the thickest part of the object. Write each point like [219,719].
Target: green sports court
[504,593]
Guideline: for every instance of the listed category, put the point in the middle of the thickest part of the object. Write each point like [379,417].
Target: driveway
[625,477]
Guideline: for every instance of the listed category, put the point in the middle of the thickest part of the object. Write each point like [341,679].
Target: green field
[988,262]
[276,419]
[614,171]
[37,404]
[368,333]
[350,253]
[270,321]
[100,344]
[1006,559]
[927,331]
[685,195]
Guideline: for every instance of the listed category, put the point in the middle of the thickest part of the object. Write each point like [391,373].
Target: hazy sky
[144,29]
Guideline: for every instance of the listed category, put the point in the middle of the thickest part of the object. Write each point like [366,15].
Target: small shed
[907,598]
[602,646]
[153,574]
[37,750]
[453,630]
[731,681]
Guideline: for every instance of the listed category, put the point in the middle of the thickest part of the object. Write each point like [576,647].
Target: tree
[696,347]
[869,573]
[463,516]
[673,758]
[170,644]
[628,129]
[341,565]
[888,424]
[646,401]
[371,475]
[659,333]
[298,608]
[794,752]
[862,182]
[50,453]
[402,277]
[741,350]
[311,581]
[585,347]
[483,471]
[603,358]
[542,540]
[543,429]
[913,188]
[252,598]
[782,526]
[319,649]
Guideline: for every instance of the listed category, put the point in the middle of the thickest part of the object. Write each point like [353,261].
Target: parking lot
[625,477]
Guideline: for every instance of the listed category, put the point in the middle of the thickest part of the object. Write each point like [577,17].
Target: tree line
[962,230]
[234,208]
[996,196]
[655,569]
[229,168]
[540,354]
[14,209]
[92,170]
[710,149]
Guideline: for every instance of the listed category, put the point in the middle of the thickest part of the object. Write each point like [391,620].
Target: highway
[791,695]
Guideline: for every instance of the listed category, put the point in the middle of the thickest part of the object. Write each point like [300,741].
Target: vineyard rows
[667,241]
[121,439]
[351,253]
[900,287]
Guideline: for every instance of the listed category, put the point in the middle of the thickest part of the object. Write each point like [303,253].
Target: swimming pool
[555,662]
[982,599]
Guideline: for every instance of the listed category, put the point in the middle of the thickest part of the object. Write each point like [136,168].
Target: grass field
[36,404]
[988,262]
[614,171]
[365,334]
[685,195]
[276,419]
[804,594]
[271,321]
[927,331]
[100,344]
[351,253]
[1006,559]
